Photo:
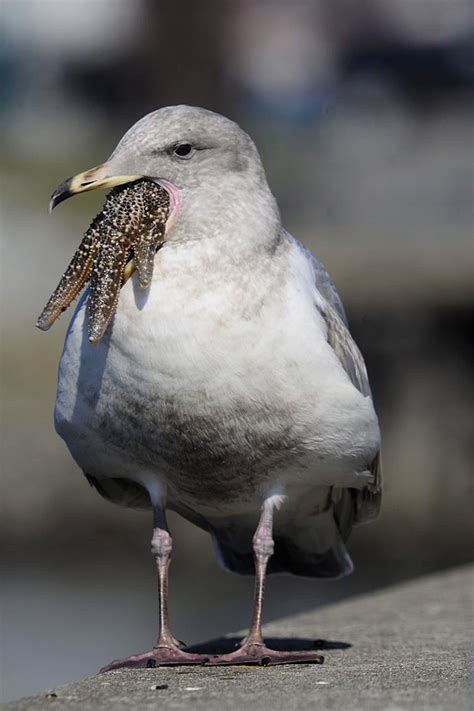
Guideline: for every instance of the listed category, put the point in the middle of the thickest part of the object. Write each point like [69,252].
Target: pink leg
[253,649]
[167,650]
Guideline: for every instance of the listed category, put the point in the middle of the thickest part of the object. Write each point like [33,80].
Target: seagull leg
[167,650]
[253,649]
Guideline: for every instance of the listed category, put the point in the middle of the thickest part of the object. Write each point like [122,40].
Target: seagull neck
[229,214]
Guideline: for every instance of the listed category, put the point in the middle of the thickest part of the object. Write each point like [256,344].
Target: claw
[259,654]
[158,657]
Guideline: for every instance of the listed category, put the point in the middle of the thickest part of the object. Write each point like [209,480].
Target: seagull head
[189,151]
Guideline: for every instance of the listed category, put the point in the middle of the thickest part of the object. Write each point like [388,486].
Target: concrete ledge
[406,647]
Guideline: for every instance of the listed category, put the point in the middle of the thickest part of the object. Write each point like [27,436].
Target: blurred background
[363,115]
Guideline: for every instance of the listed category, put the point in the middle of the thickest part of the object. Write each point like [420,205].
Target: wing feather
[367,500]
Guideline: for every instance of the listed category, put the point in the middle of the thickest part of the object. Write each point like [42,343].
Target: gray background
[363,114]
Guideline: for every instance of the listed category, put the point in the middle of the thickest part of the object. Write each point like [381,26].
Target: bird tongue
[123,237]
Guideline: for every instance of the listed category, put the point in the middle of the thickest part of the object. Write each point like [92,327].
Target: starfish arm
[74,278]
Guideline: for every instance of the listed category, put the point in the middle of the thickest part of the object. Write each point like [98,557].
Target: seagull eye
[183,150]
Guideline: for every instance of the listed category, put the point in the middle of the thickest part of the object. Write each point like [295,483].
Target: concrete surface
[407,647]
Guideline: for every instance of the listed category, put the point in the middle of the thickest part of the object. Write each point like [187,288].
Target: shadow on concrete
[225,645]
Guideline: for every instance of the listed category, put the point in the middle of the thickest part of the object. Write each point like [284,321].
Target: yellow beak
[98,177]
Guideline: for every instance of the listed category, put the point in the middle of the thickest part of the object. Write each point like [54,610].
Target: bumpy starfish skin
[144,251]
[74,278]
[131,225]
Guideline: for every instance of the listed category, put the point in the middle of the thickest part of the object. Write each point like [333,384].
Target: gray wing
[367,501]
[323,281]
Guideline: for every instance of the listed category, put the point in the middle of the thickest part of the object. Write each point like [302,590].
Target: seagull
[229,390]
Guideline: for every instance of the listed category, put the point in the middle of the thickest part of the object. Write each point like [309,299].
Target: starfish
[122,238]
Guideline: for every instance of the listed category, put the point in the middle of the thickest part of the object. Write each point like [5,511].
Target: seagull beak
[98,177]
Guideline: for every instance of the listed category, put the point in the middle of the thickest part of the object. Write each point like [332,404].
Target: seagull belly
[220,393]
